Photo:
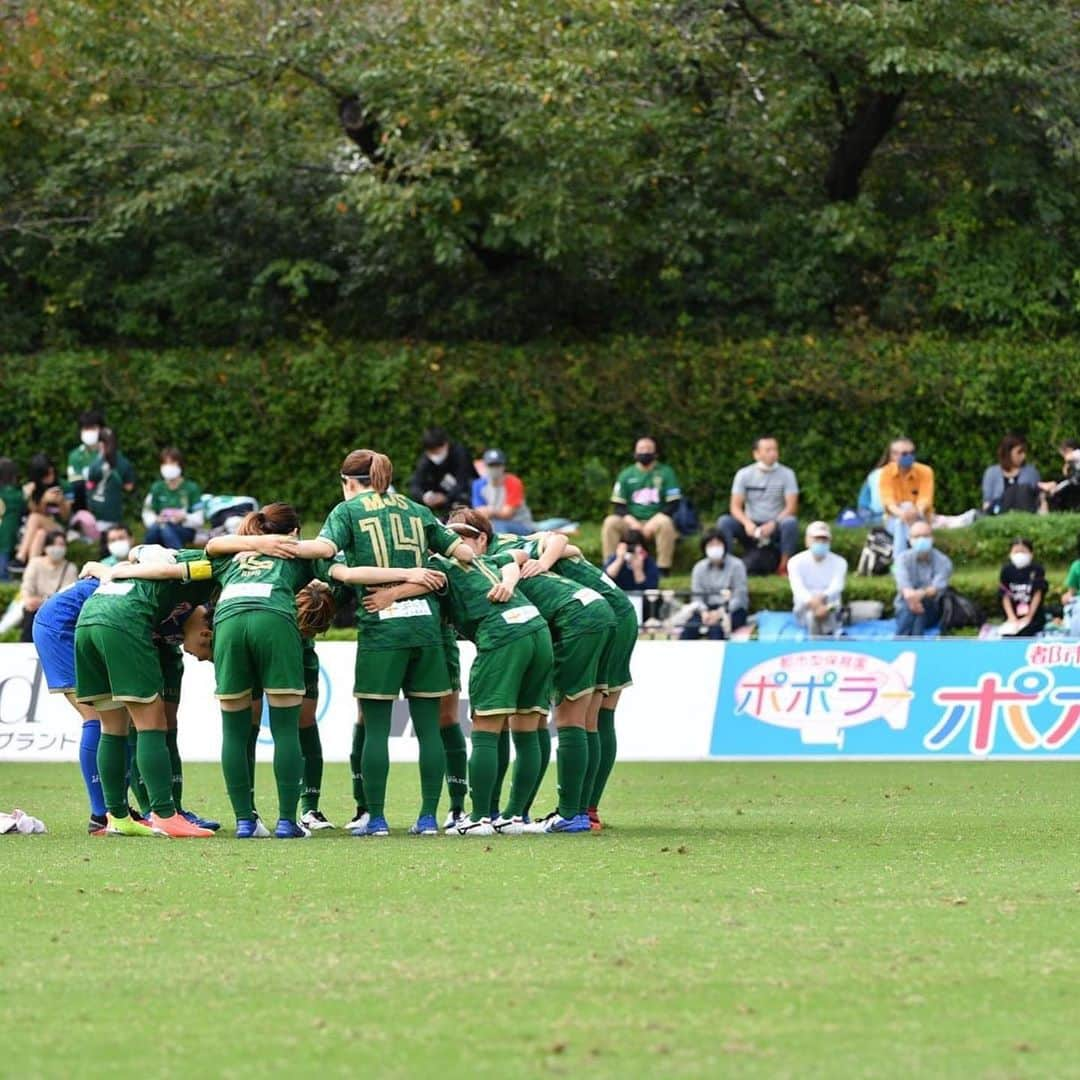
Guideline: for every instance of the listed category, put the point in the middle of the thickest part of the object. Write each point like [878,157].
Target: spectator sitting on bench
[764,507]
[643,501]
[717,589]
[817,578]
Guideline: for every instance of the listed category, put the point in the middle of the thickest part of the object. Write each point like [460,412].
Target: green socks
[311,748]
[425,718]
[608,748]
[254,731]
[483,766]
[288,761]
[457,765]
[592,740]
[572,761]
[375,761]
[177,767]
[112,767]
[138,788]
[526,770]
[236,739]
[502,765]
[543,739]
[356,762]
[153,758]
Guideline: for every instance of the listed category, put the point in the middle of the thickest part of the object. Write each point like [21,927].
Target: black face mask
[644,459]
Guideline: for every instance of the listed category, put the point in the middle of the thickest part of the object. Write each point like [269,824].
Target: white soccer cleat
[315,820]
[359,824]
[467,827]
[451,823]
[508,826]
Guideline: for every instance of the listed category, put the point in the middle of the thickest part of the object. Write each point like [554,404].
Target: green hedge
[277,423]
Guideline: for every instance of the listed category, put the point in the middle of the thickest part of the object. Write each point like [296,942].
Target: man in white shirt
[817,578]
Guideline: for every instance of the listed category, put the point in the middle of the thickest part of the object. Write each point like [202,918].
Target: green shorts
[112,664]
[577,664]
[453,657]
[513,678]
[311,677]
[257,651]
[419,671]
[615,663]
[171,659]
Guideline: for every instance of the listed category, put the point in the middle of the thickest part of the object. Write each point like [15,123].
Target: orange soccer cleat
[177,826]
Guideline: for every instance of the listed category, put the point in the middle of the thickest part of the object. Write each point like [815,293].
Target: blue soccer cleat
[375,827]
[425,826]
[557,824]
[251,829]
[201,822]
[290,830]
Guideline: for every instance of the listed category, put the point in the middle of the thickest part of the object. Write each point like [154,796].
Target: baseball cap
[494,457]
[818,530]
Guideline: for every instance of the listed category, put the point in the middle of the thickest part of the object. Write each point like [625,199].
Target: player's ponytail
[474,520]
[315,609]
[368,468]
[277,518]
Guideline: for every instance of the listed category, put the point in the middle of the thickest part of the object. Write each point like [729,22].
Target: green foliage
[277,422]
[210,174]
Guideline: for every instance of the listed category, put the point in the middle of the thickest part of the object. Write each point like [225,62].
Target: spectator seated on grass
[172,511]
[764,508]
[719,599]
[500,497]
[907,492]
[817,577]
[12,505]
[922,574]
[1011,483]
[444,473]
[1063,496]
[643,501]
[107,479]
[1023,591]
[46,506]
[45,576]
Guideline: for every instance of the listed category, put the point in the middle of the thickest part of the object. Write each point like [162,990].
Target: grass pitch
[751,920]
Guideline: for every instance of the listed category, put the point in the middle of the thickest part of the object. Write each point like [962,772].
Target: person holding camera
[46,506]
[718,592]
[631,566]
[1063,496]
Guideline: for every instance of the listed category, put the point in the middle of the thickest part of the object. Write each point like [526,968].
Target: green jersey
[645,492]
[390,531]
[578,569]
[474,616]
[139,607]
[251,581]
[105,487]
[1071,582]
[12,505]
[562,602]
[79,460]
[183,497]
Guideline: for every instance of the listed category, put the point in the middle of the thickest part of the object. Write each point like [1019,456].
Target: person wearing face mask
[907,492]
[922,574]
[1023,590]
[717,588]
[644,500]
[444,474]
[118,545]
[107,479]
[817,578]
[172,510]
[45,576]
[764,507]
[83,456]
[500,497]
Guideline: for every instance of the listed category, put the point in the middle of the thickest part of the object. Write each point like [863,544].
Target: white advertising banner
[666,716]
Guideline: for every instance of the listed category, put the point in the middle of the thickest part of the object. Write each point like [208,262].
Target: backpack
[685,518]
[876,555]
[760,560]
[958,611]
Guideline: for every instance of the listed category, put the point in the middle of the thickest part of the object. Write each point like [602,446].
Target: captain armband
[199,570]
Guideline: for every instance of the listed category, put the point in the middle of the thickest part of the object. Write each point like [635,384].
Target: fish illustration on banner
[821,693]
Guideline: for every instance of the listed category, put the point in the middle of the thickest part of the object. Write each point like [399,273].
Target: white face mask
[119,549]
[715,552]
[1020,559]
[171,472]
[56,552]
[90,436]
[438,459]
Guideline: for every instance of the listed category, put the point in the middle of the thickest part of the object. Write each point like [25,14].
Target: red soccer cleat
[177,827]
